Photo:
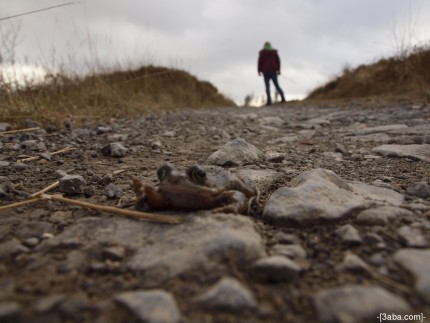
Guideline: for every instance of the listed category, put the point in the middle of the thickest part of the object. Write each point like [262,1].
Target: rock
[316,195]
[276,269]
[74,306]
[349,235]
[114,253]
[261,177]
[353,303]
[412,237]
[420,152]
[228,295]
[381,215]
[10,248]
[417,262]
[236,152]
[33,229]
[6,187]
[9,311]
[285,238]
[385,128]
[60,173]
[420,189]
[377,195]
[204,242]
[113,191]
[48,303]
[352,262]
[72,184]
[19,166]
[114,149]
[155,306]
[4,164]
[291,251]
[4,126]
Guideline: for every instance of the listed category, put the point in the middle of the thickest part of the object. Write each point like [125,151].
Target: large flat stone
[420,152]
[316,195]
[417,262]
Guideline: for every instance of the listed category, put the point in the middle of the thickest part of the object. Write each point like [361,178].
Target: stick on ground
[130,213]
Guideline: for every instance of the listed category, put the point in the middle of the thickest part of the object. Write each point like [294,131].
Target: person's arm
[259,64]
[278,63]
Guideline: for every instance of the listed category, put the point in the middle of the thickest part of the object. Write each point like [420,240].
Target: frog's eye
[197,174]
[164,171]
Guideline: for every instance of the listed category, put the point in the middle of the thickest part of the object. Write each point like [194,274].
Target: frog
[195,189]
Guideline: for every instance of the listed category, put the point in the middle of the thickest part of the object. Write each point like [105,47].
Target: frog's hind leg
[233,202]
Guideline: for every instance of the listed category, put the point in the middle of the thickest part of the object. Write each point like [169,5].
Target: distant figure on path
[269,65]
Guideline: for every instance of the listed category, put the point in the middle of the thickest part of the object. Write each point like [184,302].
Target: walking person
[269,65]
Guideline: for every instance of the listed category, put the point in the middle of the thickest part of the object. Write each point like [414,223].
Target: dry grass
[393,78]
[149,89]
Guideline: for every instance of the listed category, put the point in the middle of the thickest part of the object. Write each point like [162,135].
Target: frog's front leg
[147,197]
[233,202]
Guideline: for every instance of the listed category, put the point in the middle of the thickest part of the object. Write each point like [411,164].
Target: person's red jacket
[269,62]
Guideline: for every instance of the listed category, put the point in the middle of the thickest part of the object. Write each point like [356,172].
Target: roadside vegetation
[403,76]
[146,90]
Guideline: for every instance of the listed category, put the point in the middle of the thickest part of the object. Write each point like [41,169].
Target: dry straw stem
[19,130]
[135,214]
[64,150]
[129,213]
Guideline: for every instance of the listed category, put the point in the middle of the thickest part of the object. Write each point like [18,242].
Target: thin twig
[46,189]
[130,213]
[12,205]
[63,150]
[19,130]
[39,10]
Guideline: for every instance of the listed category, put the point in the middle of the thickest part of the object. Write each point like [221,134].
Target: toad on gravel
[196,190]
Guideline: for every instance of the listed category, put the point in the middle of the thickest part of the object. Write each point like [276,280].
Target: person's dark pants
[274,78]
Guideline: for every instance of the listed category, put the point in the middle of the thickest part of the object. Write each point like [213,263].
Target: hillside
[395,77]
[148,89]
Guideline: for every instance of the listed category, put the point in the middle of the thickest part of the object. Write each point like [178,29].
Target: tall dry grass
[402,76]
[101,92]
[146,90]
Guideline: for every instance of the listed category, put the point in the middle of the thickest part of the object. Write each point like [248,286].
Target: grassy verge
[148,89]
[400,77]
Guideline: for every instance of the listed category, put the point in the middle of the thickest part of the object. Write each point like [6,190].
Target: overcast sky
[219,40]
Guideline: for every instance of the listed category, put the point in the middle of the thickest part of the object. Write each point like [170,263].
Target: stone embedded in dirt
[349,235]
[236,152]
[353,303]
[412,237]
[9,311]
[420,189]
[313,196]
[228,295]
[285,238]
[114,253]
[417,262]
[114,149]
[374,137]
[276,269]
[113,191]
[102,129]
[352,262]
[381,215]
[19,166]
[106,179]
[74,306]
[272,121]
[72,184]
[420,152]
[6,187]
[154,306]
[33,229]
[292,251]
[48,303]
[275,157]
[46,156]
[60,173]
[4,164]
[4,126]
[385,128]
[377,195]
[261,177]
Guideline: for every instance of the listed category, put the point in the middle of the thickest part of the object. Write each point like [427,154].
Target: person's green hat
[267,46]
